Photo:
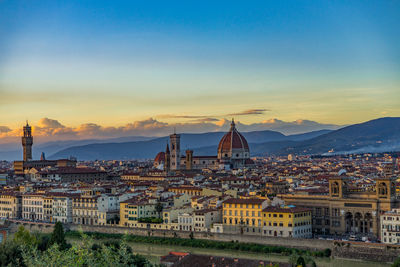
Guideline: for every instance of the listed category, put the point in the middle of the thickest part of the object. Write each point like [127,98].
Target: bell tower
[337,187]
[175,140]
[27,142]
[167,161]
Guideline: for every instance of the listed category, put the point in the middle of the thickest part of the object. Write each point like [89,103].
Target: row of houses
[193,213]
[65,207]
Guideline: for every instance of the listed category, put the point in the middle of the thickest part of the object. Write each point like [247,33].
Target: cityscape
[214,134]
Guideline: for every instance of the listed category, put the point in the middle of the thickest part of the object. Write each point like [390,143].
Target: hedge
[203,243]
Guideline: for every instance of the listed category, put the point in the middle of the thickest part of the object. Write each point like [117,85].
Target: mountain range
[149,148]
[379,135]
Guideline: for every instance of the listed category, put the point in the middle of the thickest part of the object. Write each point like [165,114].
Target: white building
[390,227]
[185,221]
[204,219]
[108,207]
[32,207]
[62,208]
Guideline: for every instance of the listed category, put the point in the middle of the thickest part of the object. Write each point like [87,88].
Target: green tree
[24,238]
[301,262]
[191,235]
[58,236]
[10,254]
[396,263]
[159,208]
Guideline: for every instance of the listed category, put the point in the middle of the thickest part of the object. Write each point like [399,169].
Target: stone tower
[167,161]
[175,140]
[27,142]
[189,159]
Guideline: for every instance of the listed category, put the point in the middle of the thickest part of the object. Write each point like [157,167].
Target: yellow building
[132,210]
[287,222]
[10,205]
[48,208]
[186,189]
[243,214]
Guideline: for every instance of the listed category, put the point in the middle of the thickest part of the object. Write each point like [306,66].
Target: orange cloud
[50,129]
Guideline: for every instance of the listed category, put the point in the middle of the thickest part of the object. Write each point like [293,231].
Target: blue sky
[115,62]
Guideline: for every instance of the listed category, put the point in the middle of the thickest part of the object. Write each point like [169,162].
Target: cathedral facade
[233,153]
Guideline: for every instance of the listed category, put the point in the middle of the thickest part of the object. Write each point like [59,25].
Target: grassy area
[200,243]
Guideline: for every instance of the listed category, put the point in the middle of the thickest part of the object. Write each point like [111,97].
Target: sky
[102,65]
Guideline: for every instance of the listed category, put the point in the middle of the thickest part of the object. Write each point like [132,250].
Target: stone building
[32,207]
[233,153]
[20,167]
[85,210]
[10,205]
[345,211]
[390,227]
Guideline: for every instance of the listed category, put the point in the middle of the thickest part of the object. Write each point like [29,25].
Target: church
[233,153]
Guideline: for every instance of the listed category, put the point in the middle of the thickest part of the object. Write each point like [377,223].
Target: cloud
[206,120]
[51,130]
[173,116]
[4,129]
[49,123]
[249,112]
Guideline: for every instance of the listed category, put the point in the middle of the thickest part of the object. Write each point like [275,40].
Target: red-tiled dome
[232,140]
[160,157]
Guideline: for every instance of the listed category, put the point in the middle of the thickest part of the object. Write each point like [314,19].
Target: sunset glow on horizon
[108,64]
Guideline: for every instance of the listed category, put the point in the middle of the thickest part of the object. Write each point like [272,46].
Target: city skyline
[119,63]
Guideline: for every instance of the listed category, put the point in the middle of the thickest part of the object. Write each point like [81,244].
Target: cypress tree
[58,236]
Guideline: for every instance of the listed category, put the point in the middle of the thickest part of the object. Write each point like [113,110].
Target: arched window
[335,188]
[382,189]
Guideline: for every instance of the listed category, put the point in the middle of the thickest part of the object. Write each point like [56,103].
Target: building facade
[390,227]
[344,211]
[10,205]
[33,207]
[287,222]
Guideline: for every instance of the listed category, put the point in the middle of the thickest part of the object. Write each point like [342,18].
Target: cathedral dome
[160,158]
[233,144]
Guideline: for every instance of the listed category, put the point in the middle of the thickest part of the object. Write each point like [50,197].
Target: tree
[58,236]
[23,237]
[396,263]
[301,262]
[10,254]
[159,208]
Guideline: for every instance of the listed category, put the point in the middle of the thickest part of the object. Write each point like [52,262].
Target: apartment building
[287,222]
[243,215]
[10,205]
[85,210]
[204,219]
[62,208]
[132,210]
[33,206]
[390,227]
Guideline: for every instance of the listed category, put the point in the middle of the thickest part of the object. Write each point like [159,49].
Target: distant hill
[380,135]
[8,151]
[149,148]
[202,144]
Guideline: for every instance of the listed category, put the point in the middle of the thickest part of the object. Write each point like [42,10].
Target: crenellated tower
[27,142]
